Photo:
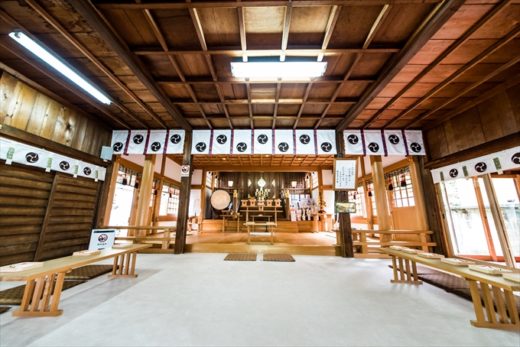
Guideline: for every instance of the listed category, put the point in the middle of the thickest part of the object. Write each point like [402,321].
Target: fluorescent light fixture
[56,63]
[287,70]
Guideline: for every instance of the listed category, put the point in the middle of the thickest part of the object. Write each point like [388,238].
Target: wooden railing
[152,234]
[371,246]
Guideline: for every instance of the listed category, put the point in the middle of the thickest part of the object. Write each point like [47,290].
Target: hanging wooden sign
[345,174]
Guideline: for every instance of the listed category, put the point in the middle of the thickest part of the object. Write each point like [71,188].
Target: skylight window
[56,63]
[287,70]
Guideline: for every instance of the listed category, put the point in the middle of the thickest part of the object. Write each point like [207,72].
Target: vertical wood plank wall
[490,120]
[45,215]
[24,108]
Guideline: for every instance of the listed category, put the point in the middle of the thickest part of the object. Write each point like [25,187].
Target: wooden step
[260,248]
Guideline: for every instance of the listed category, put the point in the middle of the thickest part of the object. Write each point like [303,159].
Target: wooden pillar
[499,221]
[484,218]
[104,209]
[158,190]
[184,198]
[384,219]
[145,192]
[368,201]
[345,229]
[418,193]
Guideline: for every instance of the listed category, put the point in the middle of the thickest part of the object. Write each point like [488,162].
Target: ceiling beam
[98,24]
[257,168]
[466,67]
[241,4]
[347,101]
[331,24]
[160,38]
[276,102]
[502,87]
[94,60]
[455,45]
[300,111]
[250,105]
[285,31]
[37,65]
[202,40]
[242,27]
[464,91]
[435,20]
[226,81]
[357,57]
[294,52]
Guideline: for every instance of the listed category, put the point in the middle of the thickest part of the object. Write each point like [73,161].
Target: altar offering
[21,266]
[457,261]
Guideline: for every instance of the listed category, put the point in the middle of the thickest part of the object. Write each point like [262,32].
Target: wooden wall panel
[69,217]
[23,199]
[25,108]
[491,120]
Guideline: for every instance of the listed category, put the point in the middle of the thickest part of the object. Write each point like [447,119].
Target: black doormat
[88,272]
[13,296]
[240,257]
[279,257]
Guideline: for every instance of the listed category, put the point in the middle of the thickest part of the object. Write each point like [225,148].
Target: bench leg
[499,306]
[407,273]
[124,265]
[41,296]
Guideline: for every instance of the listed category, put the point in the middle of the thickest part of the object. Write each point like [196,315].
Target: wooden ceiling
[393,63]
[301,163]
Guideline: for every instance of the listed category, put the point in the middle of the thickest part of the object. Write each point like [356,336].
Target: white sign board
[101,239]
[345,174]
[185,171]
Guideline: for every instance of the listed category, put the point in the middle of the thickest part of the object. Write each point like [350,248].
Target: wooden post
[384,219]
[345,229]
[145,192]
[157,198]
[108,192]
[368,202]
[485,221]
[499,221]
[184,199]
[433,207]
[418,193]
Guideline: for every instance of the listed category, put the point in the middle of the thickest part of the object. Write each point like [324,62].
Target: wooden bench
[152,235]
[503,316]
[43,286]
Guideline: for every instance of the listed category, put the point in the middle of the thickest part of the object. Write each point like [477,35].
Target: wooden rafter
[160,38]
[202,40]
[294,52]
[276,102]
[300,111]
[98,23]
[331,24]
[455,45]
[357,57]
[285,31]
[241,4]
[228,81]
[434,21]
[349,101]
[511,82]
[43,70]
[92,58]
[466,67]
[466,90]
[242,28]
[250,105]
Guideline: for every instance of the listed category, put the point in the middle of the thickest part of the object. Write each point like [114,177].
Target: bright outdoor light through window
[273,70]
[51,59]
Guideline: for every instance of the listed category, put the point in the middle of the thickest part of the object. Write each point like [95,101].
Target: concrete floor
[200,300]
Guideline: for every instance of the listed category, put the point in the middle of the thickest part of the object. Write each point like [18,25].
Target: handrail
[371,231]
[137,227]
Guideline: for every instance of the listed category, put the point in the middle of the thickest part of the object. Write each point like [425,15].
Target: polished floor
[318,239]
[201,300]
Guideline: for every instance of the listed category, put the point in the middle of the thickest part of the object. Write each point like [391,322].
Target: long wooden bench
[497,300]
[44,284]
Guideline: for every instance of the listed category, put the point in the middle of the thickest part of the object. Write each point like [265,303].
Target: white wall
[194,208]
[326,177]
[328,196]
[172,170]
[196,177]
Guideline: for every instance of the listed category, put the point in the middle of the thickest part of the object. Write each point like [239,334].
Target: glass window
[465,223]
[507,196]
[399,184]
[169,200]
